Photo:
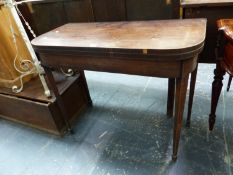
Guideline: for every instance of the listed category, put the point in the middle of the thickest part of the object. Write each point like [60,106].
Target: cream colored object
[9,76]
[29,66]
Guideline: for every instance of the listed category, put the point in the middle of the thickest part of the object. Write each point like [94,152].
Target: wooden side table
[224,56]
[149,48]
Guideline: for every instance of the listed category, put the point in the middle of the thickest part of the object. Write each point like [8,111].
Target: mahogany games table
[163,48]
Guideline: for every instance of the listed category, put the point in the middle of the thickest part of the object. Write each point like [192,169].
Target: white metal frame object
[39,69]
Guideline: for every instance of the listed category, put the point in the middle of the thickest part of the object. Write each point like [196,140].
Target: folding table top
[150,37]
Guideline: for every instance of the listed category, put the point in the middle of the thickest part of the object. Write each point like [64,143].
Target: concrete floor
[126,132]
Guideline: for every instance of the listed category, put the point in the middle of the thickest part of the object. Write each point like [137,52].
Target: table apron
[134,66]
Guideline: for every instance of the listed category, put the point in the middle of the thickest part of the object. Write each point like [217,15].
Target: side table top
[198,3]
[150,37]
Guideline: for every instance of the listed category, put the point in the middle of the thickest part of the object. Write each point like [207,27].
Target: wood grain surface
[155,37]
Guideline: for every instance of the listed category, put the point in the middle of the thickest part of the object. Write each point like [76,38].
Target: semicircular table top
[155,36]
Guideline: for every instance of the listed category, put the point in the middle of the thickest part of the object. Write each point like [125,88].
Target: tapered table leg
[191,94]
[216,91]
[84,82]
[53,86]
[170,96]
[181,89]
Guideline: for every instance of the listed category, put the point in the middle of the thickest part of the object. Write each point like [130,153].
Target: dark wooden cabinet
[110,10]
[151,9]
[212,10]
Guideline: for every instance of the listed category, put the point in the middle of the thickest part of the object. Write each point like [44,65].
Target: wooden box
[33,108]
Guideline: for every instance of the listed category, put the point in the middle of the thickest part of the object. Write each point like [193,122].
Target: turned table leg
[191,94]
[181,89]
[170,96]
[60,103]
[216,90]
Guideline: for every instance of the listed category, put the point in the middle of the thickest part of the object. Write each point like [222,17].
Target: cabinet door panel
[149,9]
[109,10]
[79,11]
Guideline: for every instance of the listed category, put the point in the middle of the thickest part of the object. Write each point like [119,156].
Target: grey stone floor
[126,132]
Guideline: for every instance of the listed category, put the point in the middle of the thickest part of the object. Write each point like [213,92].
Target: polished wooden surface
[227,62]
[151,37]
[224,63]
[152,48]
[227,26]
[190,3]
